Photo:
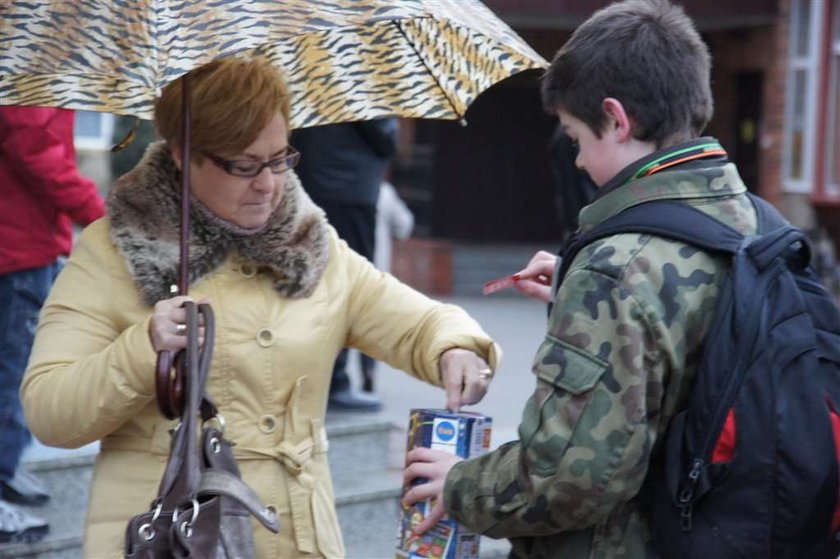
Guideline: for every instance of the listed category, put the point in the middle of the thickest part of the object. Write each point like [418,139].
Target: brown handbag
[203,507]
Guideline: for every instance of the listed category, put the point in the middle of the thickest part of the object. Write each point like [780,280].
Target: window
[93,130]
[832,144]
[801,99]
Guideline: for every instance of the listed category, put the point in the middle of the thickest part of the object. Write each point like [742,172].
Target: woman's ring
[485,374]
[180,329]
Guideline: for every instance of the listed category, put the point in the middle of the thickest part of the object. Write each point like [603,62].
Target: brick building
[776,82]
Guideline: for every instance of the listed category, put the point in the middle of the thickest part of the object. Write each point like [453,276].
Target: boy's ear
[618,120]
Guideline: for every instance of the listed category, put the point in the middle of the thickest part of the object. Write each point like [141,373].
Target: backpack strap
[662,218]
[768,217]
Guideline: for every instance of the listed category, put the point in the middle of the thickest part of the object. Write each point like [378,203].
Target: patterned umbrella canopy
[344,59]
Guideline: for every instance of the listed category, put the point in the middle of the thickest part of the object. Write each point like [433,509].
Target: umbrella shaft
[183,271]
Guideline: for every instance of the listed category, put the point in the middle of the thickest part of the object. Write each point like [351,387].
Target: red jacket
[41,191]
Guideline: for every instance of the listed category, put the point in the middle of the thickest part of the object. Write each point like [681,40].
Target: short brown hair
[233,100]
[649,56]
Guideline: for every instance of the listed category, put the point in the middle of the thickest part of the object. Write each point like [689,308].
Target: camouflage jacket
[624,339]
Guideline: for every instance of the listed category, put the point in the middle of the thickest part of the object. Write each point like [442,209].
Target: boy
[628,323]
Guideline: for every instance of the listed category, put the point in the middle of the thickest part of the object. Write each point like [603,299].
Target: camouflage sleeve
[585,437]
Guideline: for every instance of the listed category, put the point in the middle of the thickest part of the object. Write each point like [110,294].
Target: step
[358,443]
[367,486]
[368,512]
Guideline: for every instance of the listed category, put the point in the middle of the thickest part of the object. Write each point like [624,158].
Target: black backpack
[751,468]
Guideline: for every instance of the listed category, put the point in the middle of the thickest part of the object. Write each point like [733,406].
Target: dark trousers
[356,224]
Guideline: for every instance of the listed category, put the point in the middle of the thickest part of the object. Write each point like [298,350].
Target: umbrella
[344,59]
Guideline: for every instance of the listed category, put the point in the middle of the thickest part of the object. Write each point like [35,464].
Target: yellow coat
[91,378]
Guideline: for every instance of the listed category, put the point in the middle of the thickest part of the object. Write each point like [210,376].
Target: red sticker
[500,284]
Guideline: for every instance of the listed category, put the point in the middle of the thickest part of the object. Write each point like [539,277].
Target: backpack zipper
[686,495]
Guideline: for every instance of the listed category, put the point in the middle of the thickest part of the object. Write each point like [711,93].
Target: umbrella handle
[170,371]
[169,383]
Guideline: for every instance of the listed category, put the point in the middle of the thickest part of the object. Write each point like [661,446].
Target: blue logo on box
[445,431]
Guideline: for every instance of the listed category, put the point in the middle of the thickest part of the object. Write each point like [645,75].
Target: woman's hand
[168,329]
[465,377]
[433,465]
[535,279]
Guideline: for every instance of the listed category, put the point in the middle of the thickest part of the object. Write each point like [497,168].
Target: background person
[287,293]
[42,195]
[393,221]
[573,189]
[342,168]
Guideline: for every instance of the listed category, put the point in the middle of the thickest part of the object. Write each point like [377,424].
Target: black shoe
[351,400]
[17,526]
[24,489]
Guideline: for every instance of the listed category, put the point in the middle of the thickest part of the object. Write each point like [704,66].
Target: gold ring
[485,374]
[180,329]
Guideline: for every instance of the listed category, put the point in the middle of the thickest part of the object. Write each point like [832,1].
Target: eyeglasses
[250,169]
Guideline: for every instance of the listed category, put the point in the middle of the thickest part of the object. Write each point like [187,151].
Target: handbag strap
[182,475]
[186,476]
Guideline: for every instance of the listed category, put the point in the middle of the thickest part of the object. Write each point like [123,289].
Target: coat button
[265,337]
[267,423]
[248,270]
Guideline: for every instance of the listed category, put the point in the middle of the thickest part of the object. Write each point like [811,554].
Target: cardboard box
[466,434]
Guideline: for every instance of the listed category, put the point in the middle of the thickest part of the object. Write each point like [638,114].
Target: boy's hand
[433,465]
[535,279]
[465,377]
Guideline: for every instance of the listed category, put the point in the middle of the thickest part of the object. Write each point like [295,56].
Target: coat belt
[308,514]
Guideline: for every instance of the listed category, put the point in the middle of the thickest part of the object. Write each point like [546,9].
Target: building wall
[737,52]
[797,207]
[568,14]
[762,49]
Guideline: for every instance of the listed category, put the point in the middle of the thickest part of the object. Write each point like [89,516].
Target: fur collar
[144,210]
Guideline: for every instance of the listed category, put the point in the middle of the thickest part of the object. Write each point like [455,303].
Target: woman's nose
[264,180]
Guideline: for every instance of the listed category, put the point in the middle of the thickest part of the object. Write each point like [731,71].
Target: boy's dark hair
[645,53]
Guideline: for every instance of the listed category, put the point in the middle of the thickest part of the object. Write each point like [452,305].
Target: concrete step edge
[373,426]
[44,546]
[368,496]
[369,485]
[69,462]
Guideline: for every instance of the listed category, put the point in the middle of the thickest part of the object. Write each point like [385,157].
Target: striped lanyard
[709,149]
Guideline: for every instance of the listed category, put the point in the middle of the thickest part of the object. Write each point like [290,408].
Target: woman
[287,294]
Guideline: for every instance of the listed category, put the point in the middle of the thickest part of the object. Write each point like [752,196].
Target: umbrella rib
[431,73]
